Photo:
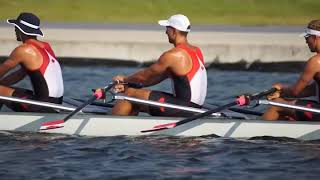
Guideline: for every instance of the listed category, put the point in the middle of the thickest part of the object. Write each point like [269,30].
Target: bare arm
[155,73]
[8,65]
[303,88]
[23,54]
[308,91]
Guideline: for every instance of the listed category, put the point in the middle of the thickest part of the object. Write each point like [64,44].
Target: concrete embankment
[144,46]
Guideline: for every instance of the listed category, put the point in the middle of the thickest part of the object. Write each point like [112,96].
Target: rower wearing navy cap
[36,60]
[308,84]
[183,65]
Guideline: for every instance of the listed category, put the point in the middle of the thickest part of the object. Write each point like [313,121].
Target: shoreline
[155,27]
[220,44]
[286,67]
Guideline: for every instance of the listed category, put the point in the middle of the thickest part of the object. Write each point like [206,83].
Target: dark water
[39,156]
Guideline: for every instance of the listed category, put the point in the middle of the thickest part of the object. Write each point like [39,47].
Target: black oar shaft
[264,93]
[135,85]
[245,111]
[207,113]
[89,101]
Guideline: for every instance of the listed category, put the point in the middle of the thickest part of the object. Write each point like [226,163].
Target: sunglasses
[307,35]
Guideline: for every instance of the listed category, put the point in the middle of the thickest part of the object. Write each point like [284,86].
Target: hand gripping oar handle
[59,123]
[242,100]
[130,84]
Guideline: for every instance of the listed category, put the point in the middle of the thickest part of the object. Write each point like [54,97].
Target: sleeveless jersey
[193,85]
[46,81]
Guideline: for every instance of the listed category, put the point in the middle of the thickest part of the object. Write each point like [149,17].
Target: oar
[36,103]
[59,123]
[245,111]
[154,104]
[300,108]
[242,100]
[108,105]
[208,106]
[160,104]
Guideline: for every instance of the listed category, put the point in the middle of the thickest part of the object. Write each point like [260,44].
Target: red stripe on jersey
[194,54]
[49,49]
[199,53]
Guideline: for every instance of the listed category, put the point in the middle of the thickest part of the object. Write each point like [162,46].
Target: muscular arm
[302,88]
[24,55]
[9,64]
[155,73]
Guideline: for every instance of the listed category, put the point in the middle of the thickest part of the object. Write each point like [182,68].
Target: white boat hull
[103,125]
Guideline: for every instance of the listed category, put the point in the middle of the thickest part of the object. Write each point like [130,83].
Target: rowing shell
[106,125]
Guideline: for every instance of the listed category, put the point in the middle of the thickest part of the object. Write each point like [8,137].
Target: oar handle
[135,85]
[263,93]
[130,84]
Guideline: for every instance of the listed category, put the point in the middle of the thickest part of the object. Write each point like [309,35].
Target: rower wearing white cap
[183,65]
[308,84]
[36,60]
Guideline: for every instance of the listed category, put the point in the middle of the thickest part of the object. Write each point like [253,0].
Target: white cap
[309,31]
[178,21]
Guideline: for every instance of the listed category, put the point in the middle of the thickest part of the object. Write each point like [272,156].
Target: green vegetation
[241,12]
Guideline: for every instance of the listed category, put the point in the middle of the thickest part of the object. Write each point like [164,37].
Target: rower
[34,59]
[183,65]
[308,84]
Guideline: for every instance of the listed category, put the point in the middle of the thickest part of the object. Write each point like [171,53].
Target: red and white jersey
[47,81]
[192,86]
